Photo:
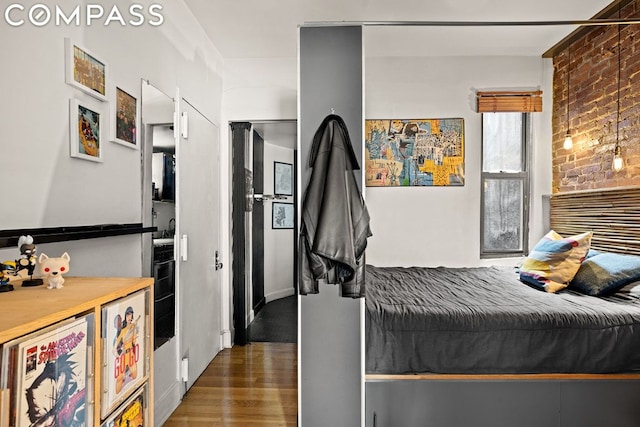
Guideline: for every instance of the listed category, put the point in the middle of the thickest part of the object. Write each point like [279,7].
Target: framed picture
[85,70]
[414,152]
[282,179]
[125,326]
[132,413]
[87,124]
[125,118]
[282,215]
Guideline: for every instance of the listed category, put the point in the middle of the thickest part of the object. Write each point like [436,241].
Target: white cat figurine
[53,268]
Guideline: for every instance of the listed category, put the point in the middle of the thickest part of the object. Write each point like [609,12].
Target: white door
[198,240]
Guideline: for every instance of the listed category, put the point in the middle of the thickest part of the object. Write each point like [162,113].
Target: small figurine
[53,269]
[6,267]
[28,260]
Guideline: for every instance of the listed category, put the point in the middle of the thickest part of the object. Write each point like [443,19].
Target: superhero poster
[124,330]
[51,388]
[133,413]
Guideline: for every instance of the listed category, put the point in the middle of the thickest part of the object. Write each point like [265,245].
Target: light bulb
[617,159]
[568,142]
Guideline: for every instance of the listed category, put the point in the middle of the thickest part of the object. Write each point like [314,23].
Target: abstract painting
[416,153]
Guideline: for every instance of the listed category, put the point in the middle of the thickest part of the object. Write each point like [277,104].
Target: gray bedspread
[484,320]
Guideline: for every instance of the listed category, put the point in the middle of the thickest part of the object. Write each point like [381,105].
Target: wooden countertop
[27,309]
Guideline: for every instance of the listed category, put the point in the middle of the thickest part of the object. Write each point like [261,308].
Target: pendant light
[568,141]
[617,152]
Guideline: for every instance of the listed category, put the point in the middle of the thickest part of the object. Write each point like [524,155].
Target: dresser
[90,341]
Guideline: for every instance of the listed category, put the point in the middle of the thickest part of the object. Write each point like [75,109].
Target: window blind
[506,102]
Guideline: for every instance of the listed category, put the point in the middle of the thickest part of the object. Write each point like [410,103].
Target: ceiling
[279,132]
[268,28]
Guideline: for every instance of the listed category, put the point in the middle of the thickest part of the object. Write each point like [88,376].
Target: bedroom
[271,96]
[423,226]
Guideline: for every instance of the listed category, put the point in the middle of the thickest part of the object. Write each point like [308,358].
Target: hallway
[276,322]
[252,385]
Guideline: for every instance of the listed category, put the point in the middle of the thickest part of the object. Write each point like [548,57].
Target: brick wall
[592,98]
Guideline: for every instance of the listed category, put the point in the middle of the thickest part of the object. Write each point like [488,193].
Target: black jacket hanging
[335,220]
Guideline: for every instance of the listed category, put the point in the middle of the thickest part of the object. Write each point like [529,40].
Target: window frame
[524,175]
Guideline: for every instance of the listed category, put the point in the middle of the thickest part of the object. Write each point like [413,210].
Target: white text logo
[41,15]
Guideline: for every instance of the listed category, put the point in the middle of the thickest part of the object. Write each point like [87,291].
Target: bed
[477,346]
[484,320]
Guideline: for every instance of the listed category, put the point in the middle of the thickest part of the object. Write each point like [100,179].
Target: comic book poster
[133,413]
[124,332]
[51,386]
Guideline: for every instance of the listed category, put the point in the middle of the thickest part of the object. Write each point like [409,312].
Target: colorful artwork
[85,71]
[86,127]
[126,117]
[421,152]
[88,71]
[130,414]
[88,132]
[52,378]
[125,350]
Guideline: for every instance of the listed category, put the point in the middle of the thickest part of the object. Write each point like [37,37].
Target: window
[505,184]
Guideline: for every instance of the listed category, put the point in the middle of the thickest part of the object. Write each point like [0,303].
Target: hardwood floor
[252,385]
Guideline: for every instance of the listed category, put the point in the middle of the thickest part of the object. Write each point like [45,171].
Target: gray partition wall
[330,77]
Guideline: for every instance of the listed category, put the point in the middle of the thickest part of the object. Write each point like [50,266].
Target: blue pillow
[605,272]
[592,252]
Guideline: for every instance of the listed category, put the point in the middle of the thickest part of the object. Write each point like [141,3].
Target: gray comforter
[484,320]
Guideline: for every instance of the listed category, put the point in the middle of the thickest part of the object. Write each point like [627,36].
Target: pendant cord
[618,95]
[568,85]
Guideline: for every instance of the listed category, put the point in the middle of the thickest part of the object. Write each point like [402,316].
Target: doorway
[264,219]
[159,260]
[181,197]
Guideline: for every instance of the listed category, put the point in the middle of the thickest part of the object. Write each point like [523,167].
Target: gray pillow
[605,272]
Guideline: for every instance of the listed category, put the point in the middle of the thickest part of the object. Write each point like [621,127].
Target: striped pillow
[555,260]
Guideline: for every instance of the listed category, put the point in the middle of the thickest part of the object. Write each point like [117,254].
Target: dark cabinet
[164,295]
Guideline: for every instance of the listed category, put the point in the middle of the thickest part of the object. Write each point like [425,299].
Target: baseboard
[259,305]
[226,339]
[282,293]
[166,404]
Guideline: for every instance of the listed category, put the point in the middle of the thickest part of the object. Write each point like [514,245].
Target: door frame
[238,138]
[240,133]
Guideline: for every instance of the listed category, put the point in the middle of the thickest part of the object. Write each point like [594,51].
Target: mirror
[158,205]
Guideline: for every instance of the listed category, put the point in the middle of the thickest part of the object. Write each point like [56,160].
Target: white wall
[415,226]
[53,189]
[57,190]
[432,226]
[278,244]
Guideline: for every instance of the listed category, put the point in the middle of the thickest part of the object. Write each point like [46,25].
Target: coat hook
[333,111]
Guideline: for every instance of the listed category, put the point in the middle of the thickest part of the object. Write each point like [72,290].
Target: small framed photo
[282,215]
[85,71]
[87,124]
[125,118]
[282,179]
